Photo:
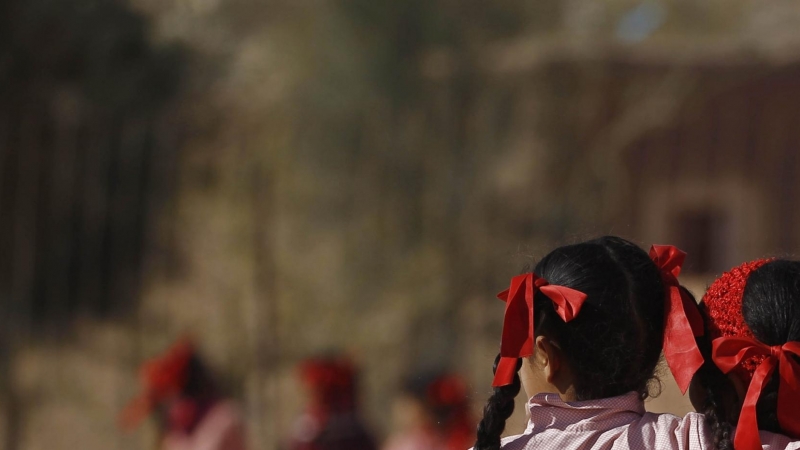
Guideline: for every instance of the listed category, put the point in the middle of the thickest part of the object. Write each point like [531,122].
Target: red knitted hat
[722,308]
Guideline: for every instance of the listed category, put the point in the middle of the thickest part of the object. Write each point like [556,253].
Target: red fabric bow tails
[517,339]
[682,318]
[728,352]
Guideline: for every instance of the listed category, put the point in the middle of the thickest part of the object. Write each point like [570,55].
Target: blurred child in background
[433,414]
[331,420]
[186,403]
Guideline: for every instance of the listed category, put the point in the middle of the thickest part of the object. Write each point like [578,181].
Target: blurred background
[283,178]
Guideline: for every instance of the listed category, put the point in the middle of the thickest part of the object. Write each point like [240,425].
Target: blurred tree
[383,154]
[83,161]
[81,90]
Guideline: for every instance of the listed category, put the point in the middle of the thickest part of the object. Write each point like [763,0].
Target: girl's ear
[549,357]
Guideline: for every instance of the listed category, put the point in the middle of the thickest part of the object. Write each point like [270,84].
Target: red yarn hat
[722,307]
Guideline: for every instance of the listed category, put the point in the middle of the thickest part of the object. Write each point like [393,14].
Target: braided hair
[497,410]
[717,406]
[624,308]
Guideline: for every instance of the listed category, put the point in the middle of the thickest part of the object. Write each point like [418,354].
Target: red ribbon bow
[517,340]
[682,317]
[728,352]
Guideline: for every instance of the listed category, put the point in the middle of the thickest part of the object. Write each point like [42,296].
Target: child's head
[612,344]
[753,310]
[331,419]
[436,404]
[332,383]
[177,388]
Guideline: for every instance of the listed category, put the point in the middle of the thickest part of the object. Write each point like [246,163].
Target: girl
[332,420]
[752,316]
[435,415]
[586,328]
[191,413]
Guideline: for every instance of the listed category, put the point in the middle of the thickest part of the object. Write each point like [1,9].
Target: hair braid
[714,414]
[498,409]
[718,394]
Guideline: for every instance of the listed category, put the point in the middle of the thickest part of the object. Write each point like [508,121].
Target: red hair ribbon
[728,352]
[682,317]
[517,340]
[162,377]
[331,382]
[447,391]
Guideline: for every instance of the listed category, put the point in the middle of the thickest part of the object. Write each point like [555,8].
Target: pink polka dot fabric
[616,423]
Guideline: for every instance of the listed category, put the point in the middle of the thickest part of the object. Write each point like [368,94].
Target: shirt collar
[548,410]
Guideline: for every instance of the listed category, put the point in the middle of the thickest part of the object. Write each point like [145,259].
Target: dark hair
[771,310]
[442,394]
[614,344]
[719,405]
[199,385]
[199,388]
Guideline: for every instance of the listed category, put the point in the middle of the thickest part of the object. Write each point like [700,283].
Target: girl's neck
[568,394]
[535,381]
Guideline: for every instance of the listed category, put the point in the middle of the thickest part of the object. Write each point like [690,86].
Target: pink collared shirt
[616,423]
[222,428]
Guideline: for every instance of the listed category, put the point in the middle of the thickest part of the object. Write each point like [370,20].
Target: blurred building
[686,142]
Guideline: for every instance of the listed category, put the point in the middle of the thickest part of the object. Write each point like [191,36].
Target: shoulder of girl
[691,429]
[664,420]
[690,419]
[519,439]
[773,441]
